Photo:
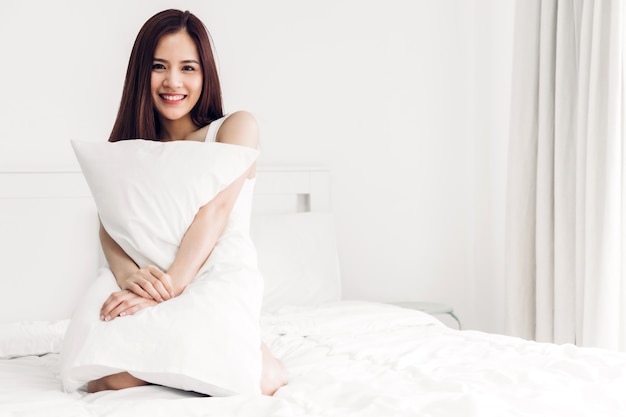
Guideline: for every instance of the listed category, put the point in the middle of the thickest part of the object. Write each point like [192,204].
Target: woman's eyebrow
[186,61]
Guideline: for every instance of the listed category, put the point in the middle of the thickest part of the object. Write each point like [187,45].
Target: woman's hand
[124,303]
[150,283]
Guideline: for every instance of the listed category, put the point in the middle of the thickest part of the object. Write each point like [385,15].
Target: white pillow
[208,338]
[148,192]
[297,255]
[27,338]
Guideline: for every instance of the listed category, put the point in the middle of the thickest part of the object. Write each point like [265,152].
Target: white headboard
[49,228]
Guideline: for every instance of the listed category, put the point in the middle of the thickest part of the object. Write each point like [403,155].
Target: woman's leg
[114,382]
[273,373]
[273,376]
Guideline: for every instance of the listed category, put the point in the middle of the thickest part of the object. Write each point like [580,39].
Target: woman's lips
[172,98]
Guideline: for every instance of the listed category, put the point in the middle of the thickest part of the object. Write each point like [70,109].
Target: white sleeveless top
[214,127]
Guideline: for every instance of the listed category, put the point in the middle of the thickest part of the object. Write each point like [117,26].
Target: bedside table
[430,308]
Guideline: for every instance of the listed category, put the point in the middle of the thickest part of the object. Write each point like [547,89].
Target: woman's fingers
[114,300]
[149,287]
[146,287]
[132,310]
[131,306]
[164,282]
[150,282]
[136,288]
[123,303]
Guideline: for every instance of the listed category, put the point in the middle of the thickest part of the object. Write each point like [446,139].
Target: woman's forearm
[120,263]
[195,247]
[240,128]
[148,282]
[202,235]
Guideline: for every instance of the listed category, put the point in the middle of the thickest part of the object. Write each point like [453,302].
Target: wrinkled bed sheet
[363,359]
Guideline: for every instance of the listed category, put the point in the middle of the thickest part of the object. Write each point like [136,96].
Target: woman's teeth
[173,98]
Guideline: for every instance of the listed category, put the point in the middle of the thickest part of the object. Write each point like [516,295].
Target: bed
[344,357]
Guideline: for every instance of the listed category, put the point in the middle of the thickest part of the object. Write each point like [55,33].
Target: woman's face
[176,81]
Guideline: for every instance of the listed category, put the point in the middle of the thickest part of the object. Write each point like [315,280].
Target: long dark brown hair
[136,117]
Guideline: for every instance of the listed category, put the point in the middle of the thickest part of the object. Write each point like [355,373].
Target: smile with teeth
[172,97]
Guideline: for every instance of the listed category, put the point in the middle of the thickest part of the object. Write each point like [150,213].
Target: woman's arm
[194,249]
[239,129]
[197,244]
[140,287]
[149,282]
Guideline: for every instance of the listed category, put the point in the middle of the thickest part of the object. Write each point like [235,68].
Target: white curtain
[566,195]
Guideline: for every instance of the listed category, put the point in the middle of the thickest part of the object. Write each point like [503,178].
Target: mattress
[362,359]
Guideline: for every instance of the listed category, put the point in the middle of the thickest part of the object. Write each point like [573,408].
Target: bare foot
[115,382]
[273,373]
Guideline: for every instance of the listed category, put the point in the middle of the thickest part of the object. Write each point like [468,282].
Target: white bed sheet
[363,359]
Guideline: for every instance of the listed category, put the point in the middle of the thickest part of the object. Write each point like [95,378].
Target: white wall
[493,65]
[394,97]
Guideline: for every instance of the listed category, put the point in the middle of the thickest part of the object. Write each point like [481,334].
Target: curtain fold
[565,195]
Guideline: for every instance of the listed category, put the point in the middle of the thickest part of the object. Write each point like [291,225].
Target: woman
[172,92]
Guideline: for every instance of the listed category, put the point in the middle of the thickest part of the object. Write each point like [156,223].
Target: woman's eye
[158,66]
[188,68]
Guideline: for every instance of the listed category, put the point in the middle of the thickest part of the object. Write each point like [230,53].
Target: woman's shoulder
[239,128]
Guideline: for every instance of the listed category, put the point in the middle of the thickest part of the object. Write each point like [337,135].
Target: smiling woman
[172,94]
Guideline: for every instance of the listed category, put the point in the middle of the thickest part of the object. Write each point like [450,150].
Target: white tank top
[214,127]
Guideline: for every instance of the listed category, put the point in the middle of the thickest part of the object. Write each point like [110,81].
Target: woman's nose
[172,80]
